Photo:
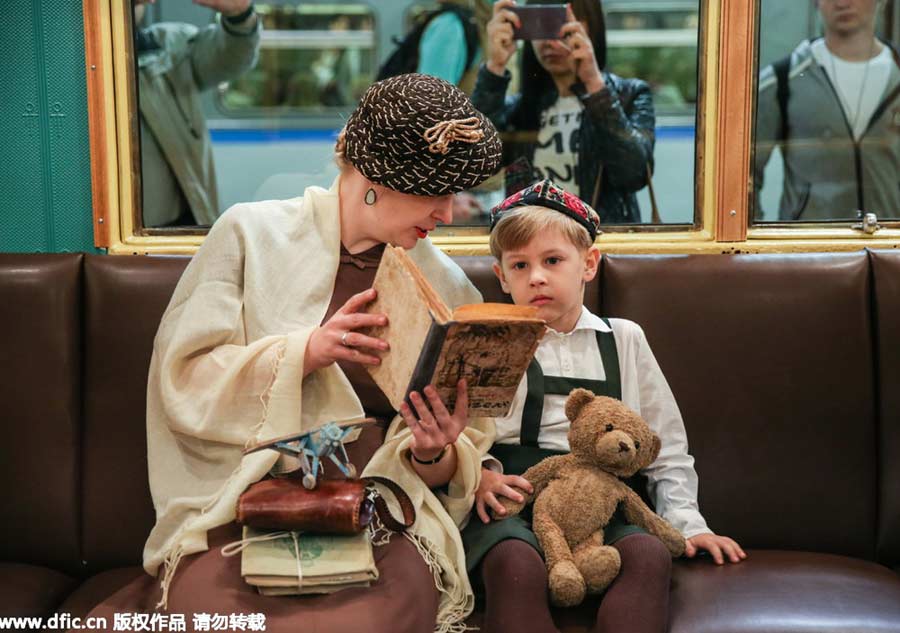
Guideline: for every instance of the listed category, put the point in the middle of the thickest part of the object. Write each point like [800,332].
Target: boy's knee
[644,552]
[513,559]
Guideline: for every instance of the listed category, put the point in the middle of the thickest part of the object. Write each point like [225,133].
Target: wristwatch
[429,462]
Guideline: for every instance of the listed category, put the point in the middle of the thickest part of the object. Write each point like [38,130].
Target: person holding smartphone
[573,121]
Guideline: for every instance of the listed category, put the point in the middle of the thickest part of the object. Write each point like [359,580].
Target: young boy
[543,240]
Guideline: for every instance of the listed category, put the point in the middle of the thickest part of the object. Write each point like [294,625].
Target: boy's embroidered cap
[419,134]
[545,194]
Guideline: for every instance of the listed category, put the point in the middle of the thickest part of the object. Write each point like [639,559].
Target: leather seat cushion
[785,592]
[31,590]
[98,588]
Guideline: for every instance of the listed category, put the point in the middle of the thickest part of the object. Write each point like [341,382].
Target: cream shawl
[227,371]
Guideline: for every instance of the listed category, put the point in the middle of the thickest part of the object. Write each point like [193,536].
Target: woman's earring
[371,196]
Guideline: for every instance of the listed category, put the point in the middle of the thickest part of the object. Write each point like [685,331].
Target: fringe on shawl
[452,618]
[173,556]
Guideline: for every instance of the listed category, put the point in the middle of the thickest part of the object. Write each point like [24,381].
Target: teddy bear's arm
[637,513]
[539,476]
[544,471]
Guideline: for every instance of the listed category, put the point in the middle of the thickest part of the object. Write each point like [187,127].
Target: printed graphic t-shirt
[556,154]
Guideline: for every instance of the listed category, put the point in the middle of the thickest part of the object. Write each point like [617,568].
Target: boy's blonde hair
[518,227]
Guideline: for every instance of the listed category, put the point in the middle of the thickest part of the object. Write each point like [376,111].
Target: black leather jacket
[617,135]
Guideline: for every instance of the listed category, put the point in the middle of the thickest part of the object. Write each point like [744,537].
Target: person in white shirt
[543,241]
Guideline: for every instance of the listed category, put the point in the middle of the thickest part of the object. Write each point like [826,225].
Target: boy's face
[549,273]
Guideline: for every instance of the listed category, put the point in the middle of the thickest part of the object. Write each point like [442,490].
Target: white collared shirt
[672,480]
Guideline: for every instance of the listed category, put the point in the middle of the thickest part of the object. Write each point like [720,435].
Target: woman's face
[555,56]
[404,219]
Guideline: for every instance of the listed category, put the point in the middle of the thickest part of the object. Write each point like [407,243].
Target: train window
[251,117]
[268,129]
[827,137]
[655,41]
[313,59]
[658,42]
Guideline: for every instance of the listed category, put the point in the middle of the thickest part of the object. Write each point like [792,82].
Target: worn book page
[401,298]
[492,355]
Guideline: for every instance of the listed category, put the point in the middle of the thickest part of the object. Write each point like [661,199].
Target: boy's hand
[435,428]
[717,546]
[495,484]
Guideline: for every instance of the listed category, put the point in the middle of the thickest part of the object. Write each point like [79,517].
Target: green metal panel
[45,167]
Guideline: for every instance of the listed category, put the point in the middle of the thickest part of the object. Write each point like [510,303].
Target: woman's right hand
[501,44]
[336,339]
[494,485]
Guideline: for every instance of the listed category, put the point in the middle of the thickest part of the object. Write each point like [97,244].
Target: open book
[488,344]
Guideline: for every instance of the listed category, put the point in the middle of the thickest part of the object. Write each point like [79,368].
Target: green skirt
[478,538]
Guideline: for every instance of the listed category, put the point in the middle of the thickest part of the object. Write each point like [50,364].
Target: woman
[260,341]
[574,123]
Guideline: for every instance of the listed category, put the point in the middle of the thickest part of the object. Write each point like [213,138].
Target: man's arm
[228,48]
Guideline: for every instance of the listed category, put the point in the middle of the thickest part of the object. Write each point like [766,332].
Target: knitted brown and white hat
[419,134]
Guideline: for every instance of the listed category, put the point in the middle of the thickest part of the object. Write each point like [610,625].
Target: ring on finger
[344,339]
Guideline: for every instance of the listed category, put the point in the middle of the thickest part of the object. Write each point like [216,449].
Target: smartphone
[539,21]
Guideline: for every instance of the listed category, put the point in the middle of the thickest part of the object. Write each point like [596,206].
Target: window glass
[255,116]
[658,42]
[313,58]
[827,138]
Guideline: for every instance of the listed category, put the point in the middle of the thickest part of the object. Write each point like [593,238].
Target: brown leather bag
[334,506]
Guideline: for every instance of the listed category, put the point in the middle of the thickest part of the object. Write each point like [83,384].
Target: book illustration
[481,355]
[488,344]
[310,552]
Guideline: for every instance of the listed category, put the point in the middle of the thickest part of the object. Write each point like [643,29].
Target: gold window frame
[724,149]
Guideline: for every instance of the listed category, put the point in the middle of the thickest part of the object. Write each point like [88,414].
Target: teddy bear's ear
[576,401]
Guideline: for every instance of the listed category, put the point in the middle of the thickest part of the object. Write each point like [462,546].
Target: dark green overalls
[478,537]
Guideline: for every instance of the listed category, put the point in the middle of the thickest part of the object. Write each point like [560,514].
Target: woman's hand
[576,39]
[336,340]
[718,546]
[500,42]
[496,484]
[435,428]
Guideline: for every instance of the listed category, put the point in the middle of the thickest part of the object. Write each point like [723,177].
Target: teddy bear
[575,495]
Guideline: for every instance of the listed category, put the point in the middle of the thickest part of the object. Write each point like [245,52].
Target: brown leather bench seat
[785,367]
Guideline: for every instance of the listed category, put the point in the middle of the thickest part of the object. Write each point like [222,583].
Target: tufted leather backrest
[40,388]
[886,281]
[770,360]
[125,298]
[770,357]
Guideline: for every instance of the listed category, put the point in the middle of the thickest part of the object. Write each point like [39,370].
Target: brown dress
[403,599]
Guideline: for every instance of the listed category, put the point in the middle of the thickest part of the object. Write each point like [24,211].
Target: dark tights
[515,584]
[638,599]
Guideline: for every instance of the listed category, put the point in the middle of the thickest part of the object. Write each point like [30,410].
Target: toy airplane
[313,448]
